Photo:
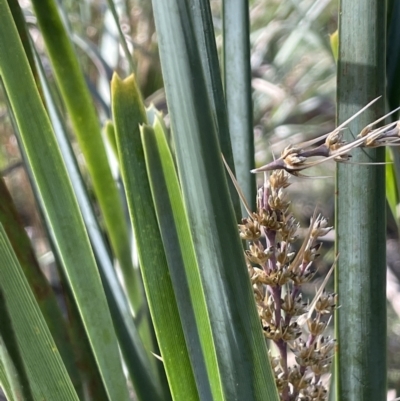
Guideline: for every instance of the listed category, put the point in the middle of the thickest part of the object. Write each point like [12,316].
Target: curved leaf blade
[183,267]
[238,338]
[128,113]
[86,126]
[238,96]
[46,372]
[136,357]
[60,206]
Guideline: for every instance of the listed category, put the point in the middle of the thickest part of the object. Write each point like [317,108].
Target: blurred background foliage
[293,82]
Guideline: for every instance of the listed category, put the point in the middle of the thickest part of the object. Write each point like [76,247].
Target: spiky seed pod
[315,326]
[291,332]
[293,307]
[257,254]
[289,229]
[279,179]
[270,220]
[249,230]
[272,332]
[311,253]
[279,277]
[326,304]
[278,201]
[297,379]
[273,267]
[320,227]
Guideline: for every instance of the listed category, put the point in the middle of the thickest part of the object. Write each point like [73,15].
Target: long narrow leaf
[40,286]
[87,128]
[4,381]
[183,267]
[392,193]
[238,338]
[85,367]
[128,112]
[122,38]
[61,208]
[11,356]
[201,18]
[137,359]
[360,208]
[237,84]
[47,374]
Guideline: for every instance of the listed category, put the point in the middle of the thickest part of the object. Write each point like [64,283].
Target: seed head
[249,229]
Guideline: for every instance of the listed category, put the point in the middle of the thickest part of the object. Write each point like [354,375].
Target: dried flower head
[277,273]
[295,159]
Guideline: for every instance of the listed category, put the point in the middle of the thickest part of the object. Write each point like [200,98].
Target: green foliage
[204,324]
[361,230]
[174,303]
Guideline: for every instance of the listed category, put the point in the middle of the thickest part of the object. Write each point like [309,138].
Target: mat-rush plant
[210,340]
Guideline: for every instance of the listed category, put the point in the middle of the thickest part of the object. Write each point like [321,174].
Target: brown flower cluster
[277,274]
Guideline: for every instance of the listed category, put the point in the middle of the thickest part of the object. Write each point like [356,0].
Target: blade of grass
[183,267]
[240,346]
[201,18]
[85,366]
[19,21]
[5,385]
[140,363]
[393,58]
[12,360]
[86,126]
[47,375]
[237,84]
[61,209]
[128,112]
[360,209]
[392,193]
[393,85]
[42,290]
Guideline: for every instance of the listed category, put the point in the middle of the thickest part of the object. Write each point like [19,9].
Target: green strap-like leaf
[240,347]
[201,18]
[47,375]
[41,288]
[60,206]
[237,84]
[392,193]
[12,358]
[139,361]
[183,267]
[121,35]
[4,373]
[360,213]
[83,116]
[128,112]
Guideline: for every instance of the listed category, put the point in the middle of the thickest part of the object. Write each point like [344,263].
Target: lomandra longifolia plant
[278,273]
